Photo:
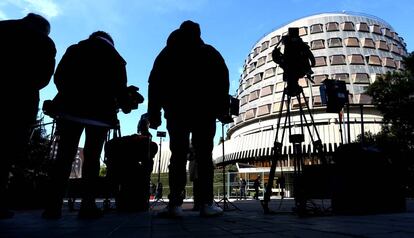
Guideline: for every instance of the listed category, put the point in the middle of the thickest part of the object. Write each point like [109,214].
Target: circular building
[351,47]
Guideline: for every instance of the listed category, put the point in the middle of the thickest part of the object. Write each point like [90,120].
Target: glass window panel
[270,72]
[318,79]
[254,95]
[320,61]
[368,43]
[316,28]
[374,60]
[334,42]
[250,114]
[337,59]
[351,42]
[274,40]
[261,61]
[388,62]
[267,91]
[360,78]
[318,44]
[257,78]
[264,110]
[382,45]
[265,45]
[356,59]
[347,26]
[332,26]
[363,26]
[376,29]
[303,31]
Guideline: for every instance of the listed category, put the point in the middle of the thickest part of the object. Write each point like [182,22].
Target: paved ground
[250,221]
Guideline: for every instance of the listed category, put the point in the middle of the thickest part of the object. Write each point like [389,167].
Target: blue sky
[140,28]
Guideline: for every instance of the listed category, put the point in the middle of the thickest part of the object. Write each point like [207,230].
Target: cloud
[48,8]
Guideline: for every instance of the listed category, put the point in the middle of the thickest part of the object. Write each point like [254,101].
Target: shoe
[6,214]
[52,214]
[210,210]
[90,212]
[171,212]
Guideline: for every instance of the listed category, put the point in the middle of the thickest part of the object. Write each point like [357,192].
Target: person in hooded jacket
[27,63]
[91,81]
[190,82]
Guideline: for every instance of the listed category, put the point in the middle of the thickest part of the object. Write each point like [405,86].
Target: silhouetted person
[256,186]
[190,82]
[130,162]
[91,81]
[243,185]
[296,61]
[27,62]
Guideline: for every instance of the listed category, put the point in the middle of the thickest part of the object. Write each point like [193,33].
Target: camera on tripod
[296,60]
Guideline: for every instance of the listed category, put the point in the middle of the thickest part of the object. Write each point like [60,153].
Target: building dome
[351,47]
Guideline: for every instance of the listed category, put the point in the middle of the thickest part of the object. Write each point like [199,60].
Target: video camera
[129,99]
[233,110]
[297,58]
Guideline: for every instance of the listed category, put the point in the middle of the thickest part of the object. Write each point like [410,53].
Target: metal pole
[362,124]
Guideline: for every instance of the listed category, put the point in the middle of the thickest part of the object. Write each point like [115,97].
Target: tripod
[225,200]
[158,193]
[296,140]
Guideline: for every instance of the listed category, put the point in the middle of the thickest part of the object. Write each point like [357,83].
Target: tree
[393,96]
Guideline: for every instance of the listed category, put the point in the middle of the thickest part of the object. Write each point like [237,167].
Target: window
[265,45]
[316,28]
[303,31]
[356,59]
[270,72]
[332,26]
[264,110]
[252,67]
[347,26]
[351,42]
[318,79]
[250,114]
[280,87]
[373,60]
[394,48]
[376,29]
[254,95]
[249,82]
[334,42]
[320,61]
[360,78]
[256,51]
[368,43]
[382,45]
[244,100]
[276,106]
[274,40]
[303,82]
[362,26]
[266,91]
[388,62]
[261,61]
[399,64]
[337,59]
[269,57]
[317,44]
[295,102]
[386,32]
[257,78]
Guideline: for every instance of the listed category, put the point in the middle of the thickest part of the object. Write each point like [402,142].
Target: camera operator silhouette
[27,63]
[190,82]
[296,60]
[92,85]
[129,160]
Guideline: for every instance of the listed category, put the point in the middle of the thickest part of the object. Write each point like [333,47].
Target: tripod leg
[277,150]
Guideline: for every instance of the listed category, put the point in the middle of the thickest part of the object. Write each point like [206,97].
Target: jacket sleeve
[155,85]
[43,64]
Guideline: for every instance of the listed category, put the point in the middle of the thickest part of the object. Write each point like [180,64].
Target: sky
[140,29]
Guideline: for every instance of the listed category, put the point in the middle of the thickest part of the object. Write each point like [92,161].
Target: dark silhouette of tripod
[158,193]
[226,203]
[290,91]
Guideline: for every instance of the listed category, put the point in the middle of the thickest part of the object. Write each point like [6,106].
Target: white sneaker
[210,210]
[171,212]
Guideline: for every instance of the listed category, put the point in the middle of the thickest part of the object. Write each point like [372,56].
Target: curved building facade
[351,47]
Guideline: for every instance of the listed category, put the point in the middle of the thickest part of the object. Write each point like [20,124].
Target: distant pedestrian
[256,186]
[243,185]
